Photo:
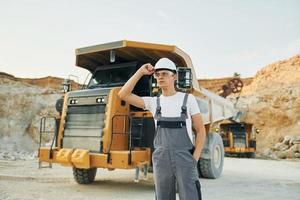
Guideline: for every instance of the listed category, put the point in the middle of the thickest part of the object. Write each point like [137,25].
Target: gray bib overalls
[172,159]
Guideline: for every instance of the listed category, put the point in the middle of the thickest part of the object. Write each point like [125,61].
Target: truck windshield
[111,77]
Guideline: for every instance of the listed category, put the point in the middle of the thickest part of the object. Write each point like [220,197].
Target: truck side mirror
[184,78]
[66,85]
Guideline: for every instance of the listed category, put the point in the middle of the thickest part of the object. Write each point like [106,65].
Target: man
[175,157]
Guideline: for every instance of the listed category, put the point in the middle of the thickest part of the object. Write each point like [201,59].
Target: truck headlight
[100,100]
[74,101]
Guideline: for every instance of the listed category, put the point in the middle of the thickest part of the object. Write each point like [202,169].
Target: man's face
[165,78]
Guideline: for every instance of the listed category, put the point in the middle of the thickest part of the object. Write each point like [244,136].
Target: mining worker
[175,113]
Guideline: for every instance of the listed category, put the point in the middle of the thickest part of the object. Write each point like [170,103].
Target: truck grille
[239,143]
[84,127]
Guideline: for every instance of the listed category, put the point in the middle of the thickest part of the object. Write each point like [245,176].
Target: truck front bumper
[84,159]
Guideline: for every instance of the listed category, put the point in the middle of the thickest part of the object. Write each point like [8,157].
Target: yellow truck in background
[96,129]
[239,139]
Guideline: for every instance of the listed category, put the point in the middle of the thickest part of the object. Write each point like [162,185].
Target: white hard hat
[165,63]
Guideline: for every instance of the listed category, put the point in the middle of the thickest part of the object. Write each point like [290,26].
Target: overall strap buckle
[184,107]
[158,108]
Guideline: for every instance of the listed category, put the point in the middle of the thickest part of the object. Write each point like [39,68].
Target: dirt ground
[242,179]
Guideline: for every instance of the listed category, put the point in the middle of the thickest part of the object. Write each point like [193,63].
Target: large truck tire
[252,144]
[212,159]
[251,155]
[84,176]
[59,105]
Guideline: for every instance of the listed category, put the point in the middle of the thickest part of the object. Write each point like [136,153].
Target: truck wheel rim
[217,156]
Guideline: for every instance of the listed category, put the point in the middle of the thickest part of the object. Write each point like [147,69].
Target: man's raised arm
[126,91]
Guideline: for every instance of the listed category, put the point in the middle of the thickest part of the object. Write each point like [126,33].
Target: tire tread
[84,176]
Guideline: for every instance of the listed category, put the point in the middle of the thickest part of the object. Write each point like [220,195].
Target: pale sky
[39,37]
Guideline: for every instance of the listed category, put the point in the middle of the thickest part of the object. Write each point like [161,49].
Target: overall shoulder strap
[158,108]
[183,107]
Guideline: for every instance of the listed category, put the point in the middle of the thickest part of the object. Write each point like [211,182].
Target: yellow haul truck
[239,139]
[95,129]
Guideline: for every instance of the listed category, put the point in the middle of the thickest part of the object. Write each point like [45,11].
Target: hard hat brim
[160,69]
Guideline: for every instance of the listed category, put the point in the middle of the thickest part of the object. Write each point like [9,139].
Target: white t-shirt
[171,107]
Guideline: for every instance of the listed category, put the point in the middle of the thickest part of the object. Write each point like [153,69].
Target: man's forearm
[199,143]
[126,90]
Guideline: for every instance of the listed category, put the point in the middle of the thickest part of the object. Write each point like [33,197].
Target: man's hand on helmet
[147,69]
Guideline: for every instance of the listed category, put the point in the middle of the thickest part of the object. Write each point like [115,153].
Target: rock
[295,140]
[286,154]
[283,150]
[286,139]
[281,154]
[280,147]
[290,154]
[267,152]
[273,156]
[295,148]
